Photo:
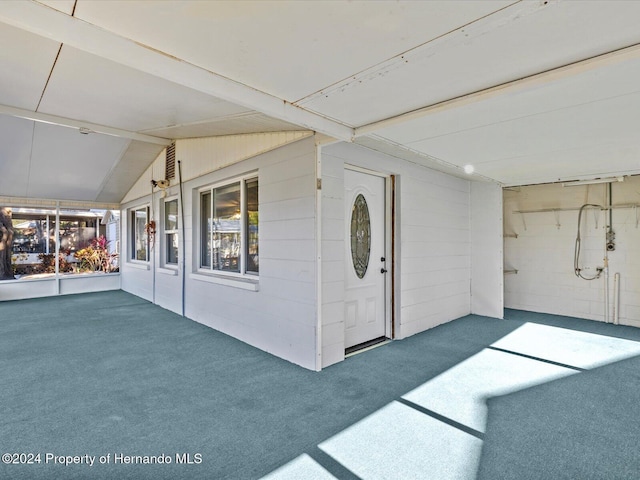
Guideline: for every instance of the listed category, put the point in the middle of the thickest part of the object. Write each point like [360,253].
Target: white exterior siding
[543,252]
[200,156]
[278,313]
[487,278]
[434,249]
[169,289]
[333,261]
[280,317]
[433,256]
[137,277]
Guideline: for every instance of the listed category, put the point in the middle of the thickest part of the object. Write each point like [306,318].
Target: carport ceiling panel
[86,87]
[68,165]
[65,6]
[287,49]
[497,49]
[555,142]
[15,152]
[26,61]
[603,160]
[537,98]
[131,166]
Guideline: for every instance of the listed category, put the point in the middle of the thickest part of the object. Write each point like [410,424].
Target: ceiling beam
[48,203]
[394,149]
[225,118]
[47,22]
[82,126]
[617,56]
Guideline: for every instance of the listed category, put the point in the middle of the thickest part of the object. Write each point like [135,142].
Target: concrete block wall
[543,252]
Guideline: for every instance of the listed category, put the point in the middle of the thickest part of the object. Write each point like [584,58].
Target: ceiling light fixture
[594,181]
[85,130]
[469,169]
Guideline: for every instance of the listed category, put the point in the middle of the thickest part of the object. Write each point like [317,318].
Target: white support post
[57,254]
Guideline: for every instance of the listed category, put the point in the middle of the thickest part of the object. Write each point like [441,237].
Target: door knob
[383,270]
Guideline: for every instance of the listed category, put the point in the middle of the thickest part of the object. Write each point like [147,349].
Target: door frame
[389,244]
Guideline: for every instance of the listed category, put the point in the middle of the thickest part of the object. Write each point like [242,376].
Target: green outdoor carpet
[110,375]
[584,427]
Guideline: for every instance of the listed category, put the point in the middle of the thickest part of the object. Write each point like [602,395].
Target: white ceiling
[527,92]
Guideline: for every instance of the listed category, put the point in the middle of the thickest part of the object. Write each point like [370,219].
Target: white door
[365,272]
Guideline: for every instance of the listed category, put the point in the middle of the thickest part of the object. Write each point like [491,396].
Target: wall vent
[170,165]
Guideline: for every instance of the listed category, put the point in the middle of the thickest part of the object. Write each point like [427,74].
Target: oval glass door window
[360,236]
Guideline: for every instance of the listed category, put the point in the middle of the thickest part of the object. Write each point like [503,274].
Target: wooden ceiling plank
[50,23]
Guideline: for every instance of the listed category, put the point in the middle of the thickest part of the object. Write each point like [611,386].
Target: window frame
[167,232]
[133,237]
[244,224]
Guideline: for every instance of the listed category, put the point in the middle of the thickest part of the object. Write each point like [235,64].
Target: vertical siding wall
[433,253]
[280,317]
[543,252]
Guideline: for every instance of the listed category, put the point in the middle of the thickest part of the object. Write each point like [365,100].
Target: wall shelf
[575,209]
[555,211]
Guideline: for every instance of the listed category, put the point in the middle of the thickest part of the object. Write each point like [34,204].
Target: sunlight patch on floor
[460,393]
[579,349]
[399,442]
[301,468]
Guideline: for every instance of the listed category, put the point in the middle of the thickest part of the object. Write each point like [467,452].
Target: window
[74,233]
[229,227]
[34,230]
[139,237]
[171,232]
[251,220]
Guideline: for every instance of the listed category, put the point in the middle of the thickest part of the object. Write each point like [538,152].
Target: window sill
[65,276]
[139,266]
[243,283]
[62,276]
[167,271]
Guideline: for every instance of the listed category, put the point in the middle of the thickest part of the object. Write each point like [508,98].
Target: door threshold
[364,346]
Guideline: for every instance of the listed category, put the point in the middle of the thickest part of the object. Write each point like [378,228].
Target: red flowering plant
[96,257]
